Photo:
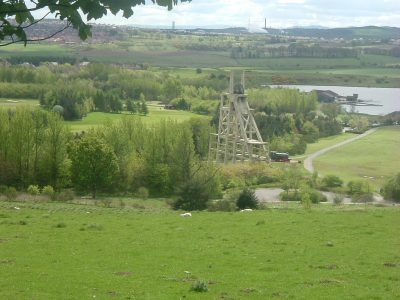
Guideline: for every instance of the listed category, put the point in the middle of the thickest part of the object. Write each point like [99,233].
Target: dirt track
[308,162]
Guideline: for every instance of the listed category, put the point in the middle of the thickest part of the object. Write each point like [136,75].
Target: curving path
[308,162]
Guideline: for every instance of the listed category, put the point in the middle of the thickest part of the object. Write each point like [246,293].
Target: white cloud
[279,13]
[291,1]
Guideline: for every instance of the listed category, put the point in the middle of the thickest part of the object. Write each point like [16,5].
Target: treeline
[394,51]
[287,118]
[38,149]
[106,88]
[37,60]
[293,50]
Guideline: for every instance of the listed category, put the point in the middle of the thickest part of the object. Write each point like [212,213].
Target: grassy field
[156,113]
[39,49]
[327,141]
[8,102]
[67,251]
[373,158]
[367,70]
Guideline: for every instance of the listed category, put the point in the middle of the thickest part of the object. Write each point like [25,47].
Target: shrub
[11,193]
[332,181]
[199,286]
[143,192]
[49,191]
[357,187]
[247,199]
[317,197]
[33,190]
[192,195]
[222,205]
[391,190]
[290,196]
[306,200]
[363,198]
[338,199]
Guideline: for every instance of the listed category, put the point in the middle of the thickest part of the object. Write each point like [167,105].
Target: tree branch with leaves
[16,15]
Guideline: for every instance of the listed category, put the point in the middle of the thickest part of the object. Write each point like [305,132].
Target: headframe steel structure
[238,138]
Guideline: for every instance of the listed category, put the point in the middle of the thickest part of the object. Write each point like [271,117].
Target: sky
[251,13]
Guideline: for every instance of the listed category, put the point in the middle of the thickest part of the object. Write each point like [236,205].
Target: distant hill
[109,32]
[367,32]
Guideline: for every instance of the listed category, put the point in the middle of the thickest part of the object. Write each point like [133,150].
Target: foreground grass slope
[66,251]
[375,156]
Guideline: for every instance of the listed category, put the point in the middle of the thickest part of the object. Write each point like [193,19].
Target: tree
[130,106]
[16,15]
[55,152]
[391,190]
[192,195]
[94,164]
[143,108]
[310,132]
[291,179]
[172,88]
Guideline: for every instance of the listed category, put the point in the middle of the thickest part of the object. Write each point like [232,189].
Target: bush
[247,199]
[391,190]
[222,205]
[357,187]
[11,193]
[332,181]
[314,195]
[338,199]
[306,200]
[317,197]
[33,190]
[142,192]
[192,195]
[363,198]
[290,196]
[199,286]
[49,191]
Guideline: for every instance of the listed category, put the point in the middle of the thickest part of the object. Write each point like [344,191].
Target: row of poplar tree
[36,147]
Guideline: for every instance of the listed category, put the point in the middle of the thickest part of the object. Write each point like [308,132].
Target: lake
[388,99]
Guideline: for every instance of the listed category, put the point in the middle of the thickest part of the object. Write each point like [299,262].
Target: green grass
[67,251]
[323,143]
[36,49]
[165,53]
[156,113]
[376,155]
[327,141]
[9,102]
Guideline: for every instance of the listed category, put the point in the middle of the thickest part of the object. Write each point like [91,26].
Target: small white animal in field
[246,209]
[16,207]
[186,215]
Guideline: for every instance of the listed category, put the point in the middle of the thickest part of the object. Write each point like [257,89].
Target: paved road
[308,162]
